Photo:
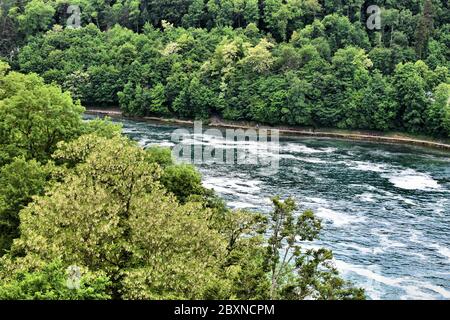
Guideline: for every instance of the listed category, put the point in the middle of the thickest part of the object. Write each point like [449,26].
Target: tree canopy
[297,62]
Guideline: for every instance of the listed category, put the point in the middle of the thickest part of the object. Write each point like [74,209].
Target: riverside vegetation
[281,62]
[77,194]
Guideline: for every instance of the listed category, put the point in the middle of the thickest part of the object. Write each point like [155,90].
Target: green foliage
[182,181]
[438,114]
[296,62]
[128,226]
[159,155]
[19,181]
[297,273]
[410,90]
[34,117]
[37,16]
[49,282]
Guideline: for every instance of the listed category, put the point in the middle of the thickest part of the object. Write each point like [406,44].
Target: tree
[281,17]
[411,97]
[104,84]
[195,101]
[37,17]
[259,59]
[159,155]
[379,94]
[170,10]
[314,274]
[382,59]
[438,113]
[182,180]
[246,253]
[340,33]
[19,182]
[34,117]
[237,13]
[344,88]
[196,14]
[425,28]
[299,106]
[141,238]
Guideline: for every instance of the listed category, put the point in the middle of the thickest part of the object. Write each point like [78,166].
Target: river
[385,208]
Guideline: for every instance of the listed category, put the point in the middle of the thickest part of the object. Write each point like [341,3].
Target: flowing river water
[385,208]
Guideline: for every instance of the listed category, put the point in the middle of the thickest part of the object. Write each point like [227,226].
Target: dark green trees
[292,62]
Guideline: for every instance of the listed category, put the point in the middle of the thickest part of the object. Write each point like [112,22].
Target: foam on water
[367,197]
[424,291]
[443,251]
[387,243]
[363,250]
[367,273]
[339,219]
[366,166]
[311,160]
[413,289]
[410,179]
[303,149]
[232,185]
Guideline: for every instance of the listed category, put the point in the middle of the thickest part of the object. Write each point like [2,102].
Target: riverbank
[396,138]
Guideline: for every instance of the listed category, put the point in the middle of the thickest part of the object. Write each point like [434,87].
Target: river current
[385,208]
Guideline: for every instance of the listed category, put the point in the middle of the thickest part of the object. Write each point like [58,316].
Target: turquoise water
[385,208]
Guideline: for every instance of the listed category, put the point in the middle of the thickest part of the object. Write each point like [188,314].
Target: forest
[309,63]
[77,195]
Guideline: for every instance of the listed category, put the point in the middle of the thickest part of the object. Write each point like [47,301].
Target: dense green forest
[132,223]
[309,63]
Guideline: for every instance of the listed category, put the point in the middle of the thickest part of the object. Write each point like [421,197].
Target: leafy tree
[343,101]
[237,13]
[195,101]
[170,10]
[340,33]
[259,59]
[19,182]
[34,117]
[37,17]
[379,94]
[196,15]
[122,218]
[382,59]
[281,17]
[438,113]
[315,276]
[49,281]
[182,180]
[425,28]
[246,254]
[411,97]
[159,155]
